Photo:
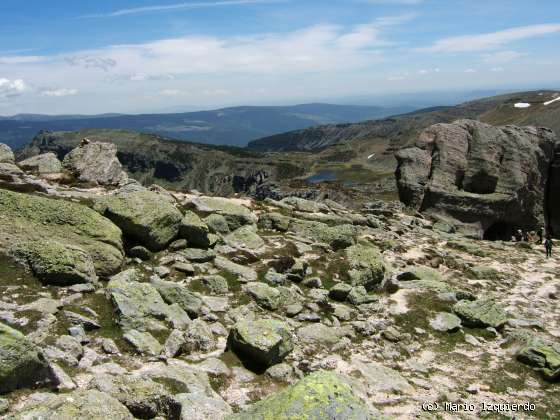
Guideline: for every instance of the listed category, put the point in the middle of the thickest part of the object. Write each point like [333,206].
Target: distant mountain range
[228,126]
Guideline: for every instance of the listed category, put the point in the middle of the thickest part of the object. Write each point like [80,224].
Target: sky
[68,56]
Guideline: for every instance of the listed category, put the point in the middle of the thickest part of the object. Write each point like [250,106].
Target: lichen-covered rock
[90,404]
[6,154]
[379,378]
[199,406]
[265,296]
[319,335]
[543,357]
[367,266]
[245,274]
[235,214]
[194,230]
[274,221]
[27,219]
[337,237]
[143,342]
[264,342]
[245,237]
[46,163]
[480,313]
[319,396]
[199,338]
[95,163]
[143,215]
[174,293]
[143,397]
[139,305]
[21,362]
[56,263]
[476,173]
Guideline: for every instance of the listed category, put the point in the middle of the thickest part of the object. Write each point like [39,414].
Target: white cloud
[11,88]
[172,7]
[502,57]
[470,71]
[59,92]
[23,59]
[497,69]
[492,40]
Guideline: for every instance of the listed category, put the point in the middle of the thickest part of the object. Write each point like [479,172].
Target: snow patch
[370,156]
[522,105]
[554,100]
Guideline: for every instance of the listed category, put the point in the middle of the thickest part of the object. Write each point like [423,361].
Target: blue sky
[140,55]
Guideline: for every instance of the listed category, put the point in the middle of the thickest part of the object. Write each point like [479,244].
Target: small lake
[321,176]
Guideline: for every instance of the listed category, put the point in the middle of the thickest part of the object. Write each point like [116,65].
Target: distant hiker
[525,236]
[519,235]
[540,232]
[548,246]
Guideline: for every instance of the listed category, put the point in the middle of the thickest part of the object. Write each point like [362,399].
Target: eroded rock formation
[490,180]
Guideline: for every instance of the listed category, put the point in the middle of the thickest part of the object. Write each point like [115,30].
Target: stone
[194,230]
[379,378]
[359,296]
[87,323]
[216,284]
[265,296]
[452,170]
[185,268]
[198,255]
[139,305]
[81,404]
[320,395]
[143,215]
[419,272]
[484,273]
[6,154]
[367,266]
[235,214]
[245,238]
[143,397]
[313,283]
[22,364]
[336,237]
[244,273]
[274,221]
[143,342]
[320,335]
[46,163]
[199,338]
[59,237]
[340,291]
[95,163]
[178,244]
[446,322]
[217,224]
[544,358]
[175,293]
[199,406]
[264,342]
[61,378]
[141,252]
[274,278]
[480,313]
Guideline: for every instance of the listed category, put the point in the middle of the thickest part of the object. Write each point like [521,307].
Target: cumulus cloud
[92,62]
[59,92]
[11,88]
[502,57]
[492,40]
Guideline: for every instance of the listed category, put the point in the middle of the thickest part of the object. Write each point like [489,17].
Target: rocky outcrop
[490,180]
[44,164]
[58,239]
[143,215]
[95,163]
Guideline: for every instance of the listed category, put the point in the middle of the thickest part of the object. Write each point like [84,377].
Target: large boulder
[95,163]
[143,215]
[21,362]
[90,404]
[194,230]
[58,238]
[46,163]
[263,342]
[321,395]
[367,266]
[235,214]
[6,154]
[480,313]
[491,180]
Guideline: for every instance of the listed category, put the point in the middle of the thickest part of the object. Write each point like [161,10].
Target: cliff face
[493,180]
